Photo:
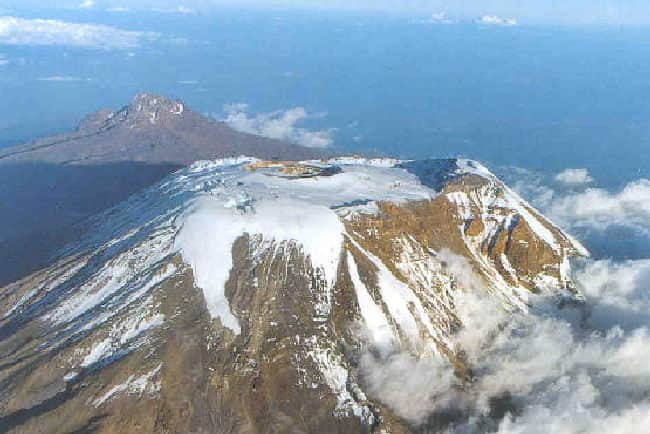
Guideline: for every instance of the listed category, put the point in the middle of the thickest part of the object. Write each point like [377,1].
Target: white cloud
[412,387]
[437,18]
[3,60]
[21,31]
[177,10]
[614,223]
[440,18]
[62,78]
[574,177]
[569,378]
[576,412]
[599,209]
[118,9]
[619,291]
[567,370]
[280,125]
[494,20]
[87,4]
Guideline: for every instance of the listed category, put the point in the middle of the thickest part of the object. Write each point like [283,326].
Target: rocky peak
[154,105]
[145,109]
[149,109]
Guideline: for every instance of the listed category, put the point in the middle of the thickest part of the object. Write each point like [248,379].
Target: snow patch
[122,336]
[209,230]
[400,299]
[70,376]
[65,274]
[374,318]
[133,386]
[361,161]
[118,275]
[336,378]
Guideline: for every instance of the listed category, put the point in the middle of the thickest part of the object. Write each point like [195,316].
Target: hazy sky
[550,11]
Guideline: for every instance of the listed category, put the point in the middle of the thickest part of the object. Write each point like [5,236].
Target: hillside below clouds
[49,184]
[247,296]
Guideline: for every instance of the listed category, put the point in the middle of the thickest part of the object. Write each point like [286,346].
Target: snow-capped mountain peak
[248,280]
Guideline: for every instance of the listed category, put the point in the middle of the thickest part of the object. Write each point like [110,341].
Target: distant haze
[539,97]
[567,12]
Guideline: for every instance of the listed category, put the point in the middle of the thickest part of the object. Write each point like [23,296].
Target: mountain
[154,130]
[48,185]
[246,296]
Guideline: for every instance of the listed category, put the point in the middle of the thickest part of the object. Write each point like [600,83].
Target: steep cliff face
[239,296]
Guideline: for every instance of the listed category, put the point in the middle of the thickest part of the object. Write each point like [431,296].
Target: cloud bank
[599,209]
[279,125]
[580,368]
[21,31]
[619,291]
[595,213]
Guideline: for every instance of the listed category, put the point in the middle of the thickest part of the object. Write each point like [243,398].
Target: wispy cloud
[87,4]
[3,60]
[613,222]
[495,20]
[280,125]
[574,177]
[600,209]
[619,291]
[21,31]
[440,18]
[177,10]
[410,386]
[118,9]
[62,78]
